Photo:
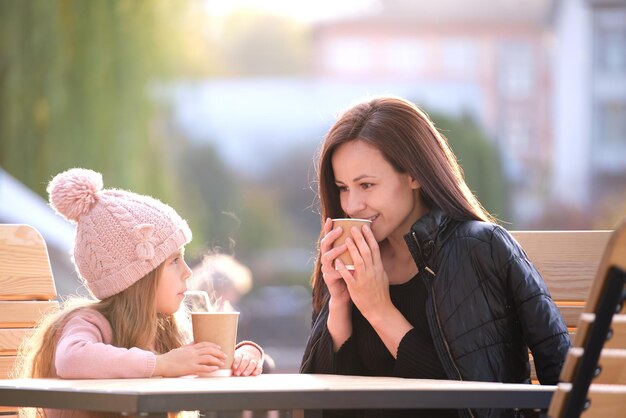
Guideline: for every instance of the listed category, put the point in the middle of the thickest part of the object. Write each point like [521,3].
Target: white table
[297,392]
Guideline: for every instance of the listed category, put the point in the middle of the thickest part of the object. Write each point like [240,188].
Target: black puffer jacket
[486,305]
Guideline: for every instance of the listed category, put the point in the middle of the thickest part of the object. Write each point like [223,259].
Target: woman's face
[370,188]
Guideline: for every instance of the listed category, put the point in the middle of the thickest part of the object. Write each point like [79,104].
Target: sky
[307,11]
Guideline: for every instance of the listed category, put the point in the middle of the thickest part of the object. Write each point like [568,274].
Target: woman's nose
[355,204]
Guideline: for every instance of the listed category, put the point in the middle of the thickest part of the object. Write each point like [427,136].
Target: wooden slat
[6,411]
[570,311]
[11,338]
[20,314]
[25,276]
[618,328]
[24,265]
[612,363]
[6,364]
[614,256]
[558,400]
[606,401]
[567,260]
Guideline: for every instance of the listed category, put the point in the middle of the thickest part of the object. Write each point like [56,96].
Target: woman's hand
[368,285]
[196,358]
[248,361]
[369,289]
[336,286]
[339,321]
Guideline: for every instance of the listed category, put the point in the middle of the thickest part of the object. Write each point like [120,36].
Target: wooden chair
[568,262]
[594,374]
[27,291]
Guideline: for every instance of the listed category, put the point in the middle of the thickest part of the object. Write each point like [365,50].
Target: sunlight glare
[316,10]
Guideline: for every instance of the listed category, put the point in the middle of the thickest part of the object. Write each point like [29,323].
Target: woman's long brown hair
[409,141]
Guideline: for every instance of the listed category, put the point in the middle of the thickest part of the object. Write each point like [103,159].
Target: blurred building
[498,47]
[589,103]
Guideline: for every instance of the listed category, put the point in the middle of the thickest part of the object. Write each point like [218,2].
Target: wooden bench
[27,291]
[568,262]
[593,379]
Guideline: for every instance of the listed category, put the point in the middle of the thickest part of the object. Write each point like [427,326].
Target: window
[460,56]
[516,68]
[610,41]
[610,128]
[519,134]
[405,56]
[349,56]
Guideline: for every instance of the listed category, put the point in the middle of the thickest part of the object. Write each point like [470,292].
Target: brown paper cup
[347,224]
[219,328]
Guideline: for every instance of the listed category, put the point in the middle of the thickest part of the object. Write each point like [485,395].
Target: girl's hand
[248,361]
[196,358]
[336,286]
[368,286]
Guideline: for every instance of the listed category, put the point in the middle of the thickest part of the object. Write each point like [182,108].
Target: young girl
[439,290]
[129,252]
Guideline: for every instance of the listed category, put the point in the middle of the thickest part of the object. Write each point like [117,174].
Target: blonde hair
[134,321]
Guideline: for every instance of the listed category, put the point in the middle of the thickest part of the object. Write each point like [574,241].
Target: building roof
[455,12]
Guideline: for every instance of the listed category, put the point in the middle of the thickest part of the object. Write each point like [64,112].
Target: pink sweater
[84,351]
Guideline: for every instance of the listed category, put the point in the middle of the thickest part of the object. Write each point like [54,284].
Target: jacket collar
[429,227]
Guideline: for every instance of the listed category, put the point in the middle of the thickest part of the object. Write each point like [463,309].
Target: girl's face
[370,188]
[172,283]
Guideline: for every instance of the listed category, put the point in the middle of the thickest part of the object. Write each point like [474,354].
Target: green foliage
[479,160]
[209,197]
[75,80]
[227,214]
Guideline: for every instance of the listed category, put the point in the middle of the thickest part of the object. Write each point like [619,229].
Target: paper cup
[347,224]
[219,328]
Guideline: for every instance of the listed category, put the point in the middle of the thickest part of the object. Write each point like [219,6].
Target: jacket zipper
[440,328]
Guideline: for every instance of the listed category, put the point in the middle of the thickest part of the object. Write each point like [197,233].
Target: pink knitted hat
[120,236]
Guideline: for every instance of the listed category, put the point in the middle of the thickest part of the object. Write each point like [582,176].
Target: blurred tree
[230,215]
[479,159]
[75,80]
[295,181]
[211,195]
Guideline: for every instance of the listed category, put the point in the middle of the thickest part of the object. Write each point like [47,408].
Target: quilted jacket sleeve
[543,327]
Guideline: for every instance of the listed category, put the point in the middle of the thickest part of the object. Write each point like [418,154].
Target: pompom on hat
[120,236]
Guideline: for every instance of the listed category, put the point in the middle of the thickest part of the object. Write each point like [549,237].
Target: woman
[439,290]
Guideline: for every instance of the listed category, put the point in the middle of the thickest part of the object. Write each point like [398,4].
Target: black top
[486,305]
[374,359]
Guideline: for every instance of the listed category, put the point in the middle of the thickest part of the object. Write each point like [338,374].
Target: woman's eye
[366,185]
[342,188]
